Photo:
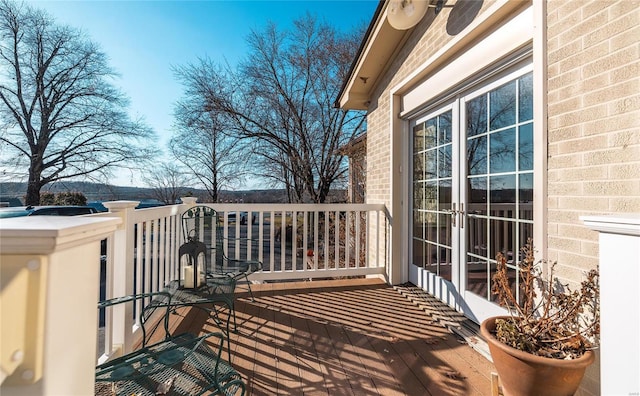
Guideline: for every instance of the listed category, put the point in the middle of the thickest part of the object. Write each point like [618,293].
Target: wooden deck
[345,337]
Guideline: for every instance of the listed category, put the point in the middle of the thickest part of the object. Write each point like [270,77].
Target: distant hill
[106,192]
[93,191]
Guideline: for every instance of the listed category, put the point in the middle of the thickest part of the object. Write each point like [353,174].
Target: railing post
[50,283]
[189,201]
[619,245]
[120,278]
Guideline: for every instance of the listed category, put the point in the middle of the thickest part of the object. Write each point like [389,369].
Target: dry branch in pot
[551,320]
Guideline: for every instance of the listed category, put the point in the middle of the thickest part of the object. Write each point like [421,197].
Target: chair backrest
[221,262]
[198,222]
[202,224]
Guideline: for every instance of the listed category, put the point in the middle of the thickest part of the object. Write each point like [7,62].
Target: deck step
[448,317]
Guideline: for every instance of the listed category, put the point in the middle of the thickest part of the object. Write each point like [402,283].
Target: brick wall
[593,121]
[593,128]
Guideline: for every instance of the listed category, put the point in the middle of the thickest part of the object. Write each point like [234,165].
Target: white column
[619,302]
[50,269]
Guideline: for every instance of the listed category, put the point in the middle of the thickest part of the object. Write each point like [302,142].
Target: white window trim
[540,147]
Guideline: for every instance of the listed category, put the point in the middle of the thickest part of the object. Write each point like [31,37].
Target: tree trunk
[33,189]
[35,182]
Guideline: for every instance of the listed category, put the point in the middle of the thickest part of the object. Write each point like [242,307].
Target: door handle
[454,214]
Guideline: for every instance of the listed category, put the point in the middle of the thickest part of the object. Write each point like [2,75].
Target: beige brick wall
[593,122]
[593,128]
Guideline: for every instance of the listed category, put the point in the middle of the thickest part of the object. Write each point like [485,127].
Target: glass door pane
[432,199]
[499,180]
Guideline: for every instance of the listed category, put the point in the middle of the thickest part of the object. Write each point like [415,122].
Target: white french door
[472,189]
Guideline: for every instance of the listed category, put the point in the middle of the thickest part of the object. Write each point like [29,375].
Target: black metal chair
[199,286]
[202,223]
[182,364]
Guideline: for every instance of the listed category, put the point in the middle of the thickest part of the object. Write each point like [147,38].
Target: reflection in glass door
[499,181]
[432,182]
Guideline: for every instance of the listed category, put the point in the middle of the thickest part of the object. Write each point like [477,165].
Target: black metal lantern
[192,260]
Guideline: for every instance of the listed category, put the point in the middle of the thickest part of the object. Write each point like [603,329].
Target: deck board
[344,337]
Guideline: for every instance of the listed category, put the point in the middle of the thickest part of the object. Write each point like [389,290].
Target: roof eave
[379,46]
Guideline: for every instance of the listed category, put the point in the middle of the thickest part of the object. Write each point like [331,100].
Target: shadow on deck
[344,337]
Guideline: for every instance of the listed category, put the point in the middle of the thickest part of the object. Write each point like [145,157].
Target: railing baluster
[261,236]
[316,250]
[338,240]
[283,239]
[249,235]
[347,239]
[357,238]
[326,240]
[272,243]
[153,268]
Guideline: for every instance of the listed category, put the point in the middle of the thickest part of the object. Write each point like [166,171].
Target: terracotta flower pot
[522,373]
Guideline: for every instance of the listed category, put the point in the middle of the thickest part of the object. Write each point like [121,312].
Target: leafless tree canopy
[281,99]
[60,115]
[168,181]
[216,159]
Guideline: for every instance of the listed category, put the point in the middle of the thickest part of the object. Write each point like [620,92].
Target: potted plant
[544,345]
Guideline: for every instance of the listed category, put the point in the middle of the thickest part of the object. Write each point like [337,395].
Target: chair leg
[246,278]
[235,323]
[228,343]
[227,333]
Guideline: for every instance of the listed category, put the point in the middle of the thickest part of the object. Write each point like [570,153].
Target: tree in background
[281,100]
[63,198]
[70,198]
[60,116]
[168,181]
[47,198]
[215,159]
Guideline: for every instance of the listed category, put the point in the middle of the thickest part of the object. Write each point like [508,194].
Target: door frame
[454,293]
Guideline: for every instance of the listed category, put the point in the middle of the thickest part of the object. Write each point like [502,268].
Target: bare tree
[282,100]
[214,158]
[60,115]
[168,181]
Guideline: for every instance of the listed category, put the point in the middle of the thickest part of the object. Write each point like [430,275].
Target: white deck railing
[301,241]
[306,241]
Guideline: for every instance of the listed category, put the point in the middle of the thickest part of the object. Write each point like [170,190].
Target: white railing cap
[111,205]
[623,223]
[45,234]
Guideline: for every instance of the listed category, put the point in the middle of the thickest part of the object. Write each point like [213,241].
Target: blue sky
[144,39]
